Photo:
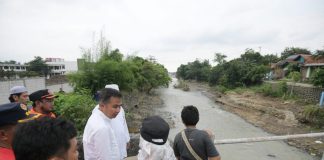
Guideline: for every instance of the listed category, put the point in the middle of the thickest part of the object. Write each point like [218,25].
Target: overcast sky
[173,31]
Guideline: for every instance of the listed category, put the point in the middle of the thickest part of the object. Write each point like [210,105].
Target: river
[226,125]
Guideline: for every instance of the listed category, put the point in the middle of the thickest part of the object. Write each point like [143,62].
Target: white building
[57,66]
[60,67]
[13,67]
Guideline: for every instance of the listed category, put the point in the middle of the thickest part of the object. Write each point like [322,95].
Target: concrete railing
[270,138]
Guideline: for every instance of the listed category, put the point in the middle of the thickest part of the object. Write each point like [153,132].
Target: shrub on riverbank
[314,115]
[182,84]
[76,107]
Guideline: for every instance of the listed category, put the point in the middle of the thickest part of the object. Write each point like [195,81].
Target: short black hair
[190,115]
[11,99]
[43,138]
[106,93]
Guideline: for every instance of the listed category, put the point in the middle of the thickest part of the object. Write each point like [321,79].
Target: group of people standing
[34,132]
[106,135]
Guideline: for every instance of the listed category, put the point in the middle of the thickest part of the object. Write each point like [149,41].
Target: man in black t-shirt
[200,144]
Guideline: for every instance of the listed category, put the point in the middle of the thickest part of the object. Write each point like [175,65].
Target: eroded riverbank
[226,125]
[273,115]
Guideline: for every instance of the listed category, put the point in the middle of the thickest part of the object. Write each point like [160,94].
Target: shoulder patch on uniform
[24,107]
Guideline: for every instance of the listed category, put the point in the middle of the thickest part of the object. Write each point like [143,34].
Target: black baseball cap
[40,94]
[155,130]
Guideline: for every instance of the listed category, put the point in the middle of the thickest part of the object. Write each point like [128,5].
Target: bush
[317,78]
[182,84]
[76,107]
[295,76]
[282,88]
[314,115]
[267,90]
[221,89]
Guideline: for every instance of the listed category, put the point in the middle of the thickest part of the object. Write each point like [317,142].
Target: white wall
[32,85]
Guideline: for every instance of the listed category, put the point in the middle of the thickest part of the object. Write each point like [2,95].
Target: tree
[220,58]
[293,51]
[154,75]
[114,55]
[181,71]
[319,52]
[132,73]
[317,77]
[196,70]
[251,56]
[270,58]
[39,66]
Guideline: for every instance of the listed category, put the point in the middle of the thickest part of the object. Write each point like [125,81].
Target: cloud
[166,29]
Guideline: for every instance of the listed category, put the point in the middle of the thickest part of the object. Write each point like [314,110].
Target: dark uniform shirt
[199,141]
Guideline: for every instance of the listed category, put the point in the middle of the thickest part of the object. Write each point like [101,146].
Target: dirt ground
[273,115]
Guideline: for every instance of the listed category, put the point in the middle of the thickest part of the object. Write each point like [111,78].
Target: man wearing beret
[10,115]
[154,140]
[18,94]
[42,103]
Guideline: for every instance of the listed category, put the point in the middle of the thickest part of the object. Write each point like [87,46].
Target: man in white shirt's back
[99,137]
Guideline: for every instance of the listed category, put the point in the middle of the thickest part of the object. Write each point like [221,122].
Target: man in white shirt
[99,137]
[119,125]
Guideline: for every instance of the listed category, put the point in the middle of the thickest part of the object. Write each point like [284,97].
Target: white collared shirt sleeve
[127,137]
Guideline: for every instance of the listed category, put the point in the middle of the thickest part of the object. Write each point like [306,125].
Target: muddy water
[226,125]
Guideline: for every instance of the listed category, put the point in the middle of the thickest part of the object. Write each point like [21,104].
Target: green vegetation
[247,70]
[39,66]
[197,70]
[314,115]
[108,66]
[76,107]
[317,78]
[132,73]
[280,91]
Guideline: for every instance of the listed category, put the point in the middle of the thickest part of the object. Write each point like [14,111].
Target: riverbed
[225,125]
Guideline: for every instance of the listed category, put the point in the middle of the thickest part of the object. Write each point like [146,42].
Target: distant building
[13,67]
[57,66]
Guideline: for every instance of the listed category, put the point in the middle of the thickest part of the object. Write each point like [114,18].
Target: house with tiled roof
[306,63]
[310,65]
